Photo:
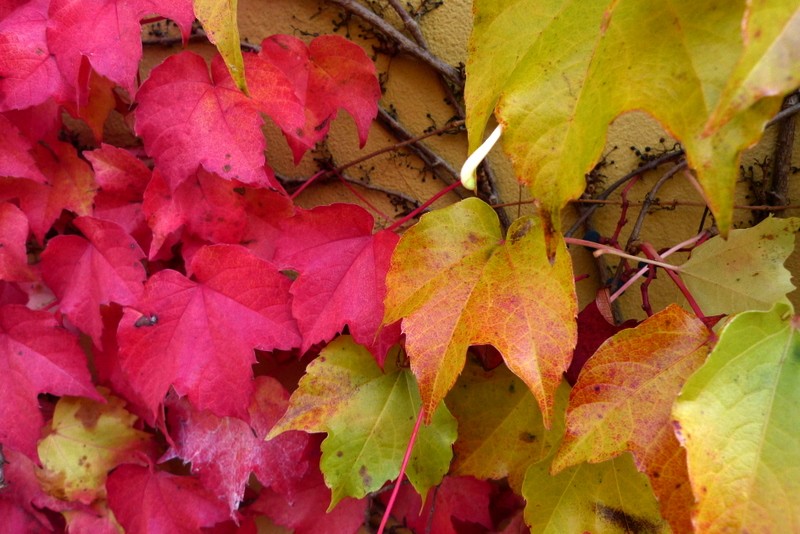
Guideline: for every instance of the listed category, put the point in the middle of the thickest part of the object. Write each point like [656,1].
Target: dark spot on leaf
[227,156]
[597,389]
[88,414]
[521,231]
[226,168]
[239,190]
[339,454]
[512,388]
[527,437]
[472,237]
[365,478]
[299,132]
[624,520]
[146,320]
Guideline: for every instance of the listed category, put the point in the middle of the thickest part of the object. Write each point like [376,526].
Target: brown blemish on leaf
[365,478]
[88,413]
[521,232]
[527,437]
[622,519]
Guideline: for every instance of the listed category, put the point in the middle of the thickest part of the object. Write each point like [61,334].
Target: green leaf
[738,418]
[369,416]
[609,497]
[218,18]
[500,427]
[557,72]
[744,272]
[768,65]
[455,282]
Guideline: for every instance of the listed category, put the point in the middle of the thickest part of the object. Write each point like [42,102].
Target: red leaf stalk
[399,481]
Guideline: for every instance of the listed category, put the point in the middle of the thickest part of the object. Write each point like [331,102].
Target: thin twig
[782,114]
[777,193]
[649,199]
[408,21]
[404,44]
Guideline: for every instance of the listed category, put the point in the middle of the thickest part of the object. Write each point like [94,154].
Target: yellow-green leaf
[456,282]
[218,18]
[738,418]
[500,428]
[744,272]
[769,64]
[86,440]
[623,400]
[557,72]
[369,416]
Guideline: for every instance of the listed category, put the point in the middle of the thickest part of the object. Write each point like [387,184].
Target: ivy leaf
[369,416]
[199,335]
[520,61]
[16,160]
[455,282]
[744,272]
[85,441]
[500,429]
[29,74]
[23,508]
[205,205]
[328,74]
[13,238]
[768,65]
[146,501]
[219,22]
[622,402]
[446,504]
[188,119]
[107,34]
[225,450]
[38,356]
[737,418]
[85,273]
[342,275]
[609,497]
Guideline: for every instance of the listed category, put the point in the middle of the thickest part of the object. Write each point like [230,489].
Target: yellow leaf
[218,18]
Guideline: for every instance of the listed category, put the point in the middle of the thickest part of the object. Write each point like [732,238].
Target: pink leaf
[199,335]
[13,236]
[36,356]
[16,160]
[85,273]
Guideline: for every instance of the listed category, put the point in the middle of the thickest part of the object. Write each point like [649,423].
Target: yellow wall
[416,93]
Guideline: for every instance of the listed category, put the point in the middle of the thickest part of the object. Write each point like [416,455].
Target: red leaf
[462,498]
[305,511]
[71,186]
[148,502]
[342,277]
[12,294]
[107,33]
[593,330]
[205,204]
[202,334]
[224,451]
[188,119]
[329,74]
[29,74]
[85,273]
[101,101]
[36,356]
[13,236]
[15,158]
[121,180]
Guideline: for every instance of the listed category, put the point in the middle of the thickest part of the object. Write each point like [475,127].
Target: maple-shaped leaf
[737,417]
[22,501]
[37,356]
[305,510]
[369,416]
[455,282]
[29,74]
[84,273]
[745,271]
[145,501]
[70,187]
[328,74]
[593,330]
[591,62]
[189,119]
[107,34]
[121,180]
[205,204]
[607,498]
[464,499]
[84,441]
[13,237]
[622,402]
[342,271]
[199,335]
[224,451]
[500,429]
[219,22]
[769,63]
[16,160]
